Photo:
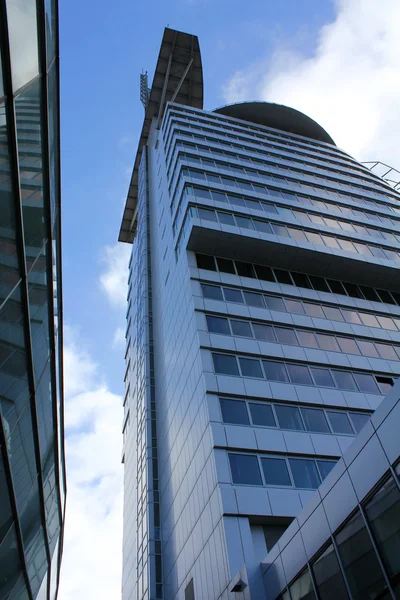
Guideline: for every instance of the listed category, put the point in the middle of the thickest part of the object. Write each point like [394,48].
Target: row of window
[301,337]
[311,309]
[301,374]
[274,173]
[304,473]
[326,208]
[320,284]
[335,183]
[362,559]
[307,148]
[295,418]
[294,233]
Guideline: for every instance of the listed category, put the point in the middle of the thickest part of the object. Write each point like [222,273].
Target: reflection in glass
[245,469]
[302,588]
[304,473]
[22,31]
[234,411]
[328,576]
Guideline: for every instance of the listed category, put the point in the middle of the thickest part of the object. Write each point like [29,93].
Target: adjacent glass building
[263,331]
[32,471]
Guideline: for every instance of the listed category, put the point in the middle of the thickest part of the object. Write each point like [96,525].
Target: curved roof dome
[277,116]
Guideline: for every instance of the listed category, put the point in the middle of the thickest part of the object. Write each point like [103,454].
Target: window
[322,377]
[386,323]
[283,276]
[314,238]
[275,303]
[359,420]
[245,469]
[301,280]
[339,422]
[234,411]
[351,316]
[244,223]
[279,230]
[272,533]
[330,242]
[241,328]
[366,383]
[304,473]
[325,467]
[348,345]
[250,367]
[289,417]
[226,266]
[207,215]
[315,420]
[232,295]
[385,384]
[361,566]
[386,351]
[344,380]
[314,310]
[205,262]
[275,471]
[244,269]
[369,320]
[264,227]
[253,299]
[275,371]
[299,374]
[307,339]
[319,283]
[302,588]
[264,273]
[264,332]
[226,218]
[328,576]
[333,313]
[336,287]
[211,291]
[225,364]
[368,349]
[218,196]
[328,342]
[218,325]
[286,336]
[297,234]
[261,414]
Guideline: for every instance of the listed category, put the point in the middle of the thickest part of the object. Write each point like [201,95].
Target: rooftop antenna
[144,89]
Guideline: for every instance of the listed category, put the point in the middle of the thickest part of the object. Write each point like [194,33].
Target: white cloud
[119,338]
[114,279]
[350,86]
[92,559]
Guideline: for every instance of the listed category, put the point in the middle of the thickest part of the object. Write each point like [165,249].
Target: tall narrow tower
[263,329]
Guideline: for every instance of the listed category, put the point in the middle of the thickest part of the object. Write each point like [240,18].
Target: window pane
[275,471]
[348,345]
[315,420]
[301,280]
[283,276]
[361,566]
[304,473]
[207,215]
[250,367]
[264,273]
[359,420]
[368,349]
[217,325]
[386,351]
[328,576]
[226,266]
[385,384]
[211,291]
[262,226]
[339,422]
[369,320]
[289,417]
[333,313]
[275,303]
[225,364]
[261,414]
[330,241]
[286,336]
[325,467]
[366,383]
[307,339]
[200,193]
[299,374]
[322,377]
[253,299]
[314,238]
[245,469]
[244,269]
[351,316]
[279,230]
[244,222]
[205,262]
[236,200]
[218,196]
[336,287]
[264,332]
[328,342]
[234,411]
[294,306]
[22,30]
[344,380]
[386,323]
[302,588]
[241,328]
[232,295]
[297,234]
[275,371]
[313,310]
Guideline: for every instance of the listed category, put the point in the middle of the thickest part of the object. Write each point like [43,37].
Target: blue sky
[338,61]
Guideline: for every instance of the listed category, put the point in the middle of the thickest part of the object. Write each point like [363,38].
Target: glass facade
[32,466]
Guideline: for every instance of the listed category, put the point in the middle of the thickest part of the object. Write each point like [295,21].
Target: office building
[32,476]
[263,330]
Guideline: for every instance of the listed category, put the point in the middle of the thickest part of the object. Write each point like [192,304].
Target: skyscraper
[263,329]
[32,471]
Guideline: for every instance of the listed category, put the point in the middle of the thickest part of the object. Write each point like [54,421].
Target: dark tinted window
[315,420]
[241,328]
[225,265]
[245,469]
[264,273]
[207,215]
[234,411]
[328,576]
[211,291]
[275,471]
[344,380]
[325,467]
[359,420]
[261,414]
[225,364]
[305,474]
[264,332]
[244,269]
[319,283]
[226,218]
[275,371]
[289,417]
[232,295]
[286,336]
[322,377]
[205,262]
[250,367]
[339,422]
[218,325]
[366,383]
[301,280]
[299,374]
[253,299]
[283,276]
[385,384]
[275,303]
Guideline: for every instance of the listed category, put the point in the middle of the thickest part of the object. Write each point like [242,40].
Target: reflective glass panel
[386,351]
[328,576]
[264,332]
[253,299]
[304,473]
[245,469]
[325,467]
[211,291]
[217,325]
[366,383]
[275,471]
[234,411]
[351,316]
[226,266]
[369,320]
[348,345]
[241,328]
[22,31]
[328,342]
[339,422]
[225,364]
[299,374]
[314,310]
[250,367]
[261,414]
[286,336]
[368,348]
[232,295]
[275,371]
[322,377]
[315,420]
[302,588]
[207,215]
[307,339]
[344,380]
[275,303]
[333,313]
[363,572]
[289,417]
[226,218]
[38,292]
[359,420]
